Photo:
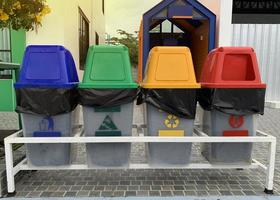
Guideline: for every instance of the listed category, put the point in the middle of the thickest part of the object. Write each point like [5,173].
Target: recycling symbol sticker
[172,121]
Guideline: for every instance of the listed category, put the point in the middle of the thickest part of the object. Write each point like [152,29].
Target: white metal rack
[200,137]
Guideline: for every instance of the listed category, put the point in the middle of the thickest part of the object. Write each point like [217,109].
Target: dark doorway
[83,38]
[96,38]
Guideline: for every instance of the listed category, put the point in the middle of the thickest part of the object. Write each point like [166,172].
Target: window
[103,6]
[5,45]
[83,38]
[96,38]
[5,51]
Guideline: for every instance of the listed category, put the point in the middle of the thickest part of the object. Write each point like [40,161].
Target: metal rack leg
[9,167]
[145,119]
[271,168]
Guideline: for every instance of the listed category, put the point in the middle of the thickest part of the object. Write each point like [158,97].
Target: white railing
[199,137]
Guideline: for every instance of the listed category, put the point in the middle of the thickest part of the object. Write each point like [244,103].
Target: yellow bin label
[170,133]
[172,121]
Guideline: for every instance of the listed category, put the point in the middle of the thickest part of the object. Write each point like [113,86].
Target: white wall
[52,30]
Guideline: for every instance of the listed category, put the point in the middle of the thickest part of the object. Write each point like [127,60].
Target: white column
[225,28]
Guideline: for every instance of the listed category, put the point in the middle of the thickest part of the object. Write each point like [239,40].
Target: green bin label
[108,128]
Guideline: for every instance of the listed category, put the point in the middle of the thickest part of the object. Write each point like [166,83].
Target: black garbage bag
[46,101]
[106,98]
[233,101]
[178,102]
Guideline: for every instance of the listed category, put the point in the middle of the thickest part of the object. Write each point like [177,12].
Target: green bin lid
[107,67]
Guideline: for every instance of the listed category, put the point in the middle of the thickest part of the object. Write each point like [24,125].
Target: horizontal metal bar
[17,139]
[195,166]
[146,139]
[9,66]
[142,166]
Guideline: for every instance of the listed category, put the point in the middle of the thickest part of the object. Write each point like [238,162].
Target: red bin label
[236,121]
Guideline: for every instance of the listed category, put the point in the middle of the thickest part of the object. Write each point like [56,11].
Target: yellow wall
[61,26]
[52,31]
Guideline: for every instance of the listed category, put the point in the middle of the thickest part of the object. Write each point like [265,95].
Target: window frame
[103,7]
[84,39]
[8,50]
[97,39]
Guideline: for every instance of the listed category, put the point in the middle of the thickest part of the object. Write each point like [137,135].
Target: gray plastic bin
[167,154]
[214,124]
[40,126]
[107,122]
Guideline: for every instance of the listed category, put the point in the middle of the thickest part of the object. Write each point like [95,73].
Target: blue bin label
[46,127]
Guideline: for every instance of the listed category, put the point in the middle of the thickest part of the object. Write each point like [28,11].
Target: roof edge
[160,6]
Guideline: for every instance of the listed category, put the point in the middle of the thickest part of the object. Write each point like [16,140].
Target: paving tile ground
[154,198]
[9,121]
[165,183]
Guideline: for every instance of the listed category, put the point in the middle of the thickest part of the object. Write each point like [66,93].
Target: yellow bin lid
[170,67]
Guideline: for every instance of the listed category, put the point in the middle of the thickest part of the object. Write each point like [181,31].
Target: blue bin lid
[47,66]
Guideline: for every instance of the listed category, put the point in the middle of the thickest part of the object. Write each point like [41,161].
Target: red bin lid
[231,67]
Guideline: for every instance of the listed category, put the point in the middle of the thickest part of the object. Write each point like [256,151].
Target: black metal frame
[256,6]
